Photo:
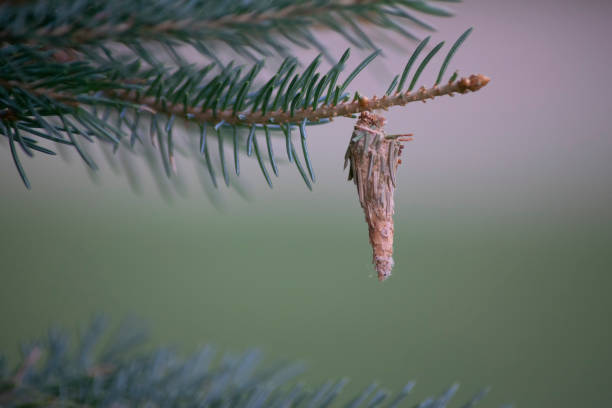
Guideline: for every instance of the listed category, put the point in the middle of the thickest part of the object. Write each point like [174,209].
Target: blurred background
[503,232]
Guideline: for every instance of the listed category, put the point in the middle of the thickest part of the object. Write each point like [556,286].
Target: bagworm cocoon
[373,159]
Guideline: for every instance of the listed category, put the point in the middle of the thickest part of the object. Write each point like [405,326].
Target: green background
[519,302]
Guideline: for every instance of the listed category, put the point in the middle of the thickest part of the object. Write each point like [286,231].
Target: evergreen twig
[59,67]
[245,26]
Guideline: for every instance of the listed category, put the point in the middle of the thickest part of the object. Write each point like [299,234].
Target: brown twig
[150,104]
[464,85]
[8,115]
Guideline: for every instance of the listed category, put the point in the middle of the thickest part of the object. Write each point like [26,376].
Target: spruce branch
[231,117]
[45,97]
[310,115]
[122,371]
[261,27]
